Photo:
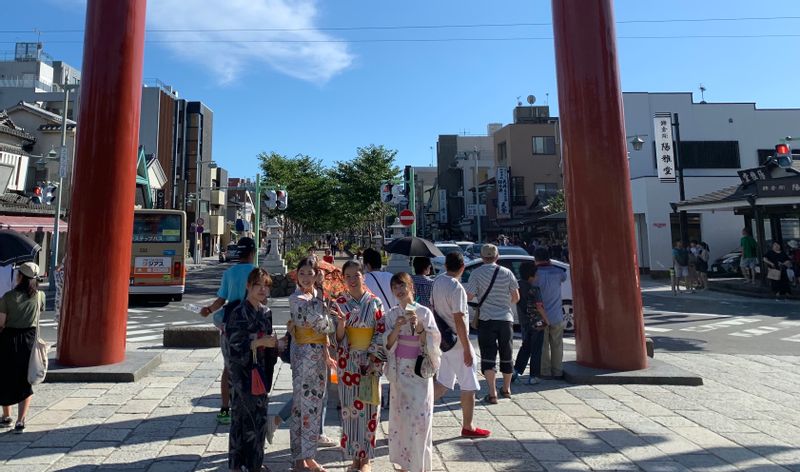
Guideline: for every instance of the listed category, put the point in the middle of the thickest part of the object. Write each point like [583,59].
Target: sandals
[6,421]
[19,428]
[505,394]
[491,399]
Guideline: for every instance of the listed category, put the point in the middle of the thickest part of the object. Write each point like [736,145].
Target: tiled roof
[726,194]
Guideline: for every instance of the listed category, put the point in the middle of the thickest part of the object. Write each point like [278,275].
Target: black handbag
[449,337]
[476,307]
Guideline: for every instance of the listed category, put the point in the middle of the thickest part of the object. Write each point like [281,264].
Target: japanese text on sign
[665,152]
[503,207]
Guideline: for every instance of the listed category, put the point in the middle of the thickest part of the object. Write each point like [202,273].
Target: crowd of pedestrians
[411,330]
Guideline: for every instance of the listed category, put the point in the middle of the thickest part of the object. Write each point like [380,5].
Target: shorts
[681,271]
[494,336]
[452,370]
[748,263]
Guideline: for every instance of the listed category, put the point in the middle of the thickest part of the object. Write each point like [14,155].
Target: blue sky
[327,98]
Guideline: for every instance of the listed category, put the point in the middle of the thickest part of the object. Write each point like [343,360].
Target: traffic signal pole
[95,311]
[412,200]
[609,326]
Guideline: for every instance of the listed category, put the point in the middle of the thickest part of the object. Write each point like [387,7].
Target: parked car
[513,262]
[727,265]
[446,248]
[474,251]
[231,253]
[464,245]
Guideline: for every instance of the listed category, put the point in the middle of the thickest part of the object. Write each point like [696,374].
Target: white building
[717,140]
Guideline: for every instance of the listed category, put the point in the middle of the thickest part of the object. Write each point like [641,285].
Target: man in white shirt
[377,281]
[449,300]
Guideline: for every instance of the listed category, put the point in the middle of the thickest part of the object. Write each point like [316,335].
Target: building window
[710,155]
[518,191]
[544,145]
[545,191]
[501,152]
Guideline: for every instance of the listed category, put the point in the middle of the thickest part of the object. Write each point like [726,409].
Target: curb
[195,337]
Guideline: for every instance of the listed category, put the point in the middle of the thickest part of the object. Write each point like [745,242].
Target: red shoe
[475,433]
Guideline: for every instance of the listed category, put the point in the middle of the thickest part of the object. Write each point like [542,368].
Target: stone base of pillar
[398,263]
[274,266]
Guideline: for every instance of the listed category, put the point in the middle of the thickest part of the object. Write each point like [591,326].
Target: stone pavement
[745,417]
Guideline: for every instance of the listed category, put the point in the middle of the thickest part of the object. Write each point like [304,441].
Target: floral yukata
[356,366]
[248,412]
[309,371]
[411,396]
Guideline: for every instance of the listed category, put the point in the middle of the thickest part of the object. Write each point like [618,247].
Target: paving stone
[607,461]
[9,449]
[77,464]
[71,404]
[45,456]
[548,452]
[565,466]
[704,461]
[58,439]
[138,406]
[94,448]
[662,466]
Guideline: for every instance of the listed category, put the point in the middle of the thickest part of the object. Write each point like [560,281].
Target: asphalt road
[702,322]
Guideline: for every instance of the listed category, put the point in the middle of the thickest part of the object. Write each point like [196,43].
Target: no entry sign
[407,217]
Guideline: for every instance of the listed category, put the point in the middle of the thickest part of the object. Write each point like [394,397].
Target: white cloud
[313,61]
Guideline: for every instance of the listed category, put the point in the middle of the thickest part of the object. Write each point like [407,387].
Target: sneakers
[6,421]
[326,441]
[533,380]
[476,433]
[19,428]
[224,416]
[515,376]
[271,428]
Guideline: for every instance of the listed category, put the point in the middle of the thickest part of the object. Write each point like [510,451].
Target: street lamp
[637,143]
[198,185]
[62,172]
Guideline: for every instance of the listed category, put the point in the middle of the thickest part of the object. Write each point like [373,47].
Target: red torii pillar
[602,245]
[93,325]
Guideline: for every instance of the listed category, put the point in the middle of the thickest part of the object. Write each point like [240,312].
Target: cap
[246,244]
[29,270]
[489,250]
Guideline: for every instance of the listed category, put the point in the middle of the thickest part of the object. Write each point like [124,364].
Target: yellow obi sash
[359,338]
[308,336]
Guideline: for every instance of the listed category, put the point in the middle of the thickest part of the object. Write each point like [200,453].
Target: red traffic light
[782,149]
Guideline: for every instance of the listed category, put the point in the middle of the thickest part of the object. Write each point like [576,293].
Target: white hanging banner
[665,154]
[503,207]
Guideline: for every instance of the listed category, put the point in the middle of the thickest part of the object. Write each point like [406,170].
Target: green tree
[357,199]
[308,184]
[557,203]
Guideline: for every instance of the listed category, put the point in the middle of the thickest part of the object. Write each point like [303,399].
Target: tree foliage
[557,203]
[344,197]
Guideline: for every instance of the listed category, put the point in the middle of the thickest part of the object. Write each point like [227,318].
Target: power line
[418,27]
[429,40]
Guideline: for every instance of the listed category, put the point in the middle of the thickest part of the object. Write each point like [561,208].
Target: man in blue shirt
[549,279]
[232,289]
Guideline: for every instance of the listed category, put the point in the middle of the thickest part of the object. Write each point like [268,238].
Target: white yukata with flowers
[411,396]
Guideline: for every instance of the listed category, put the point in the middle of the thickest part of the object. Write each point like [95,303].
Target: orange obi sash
[359,338]
[308,336]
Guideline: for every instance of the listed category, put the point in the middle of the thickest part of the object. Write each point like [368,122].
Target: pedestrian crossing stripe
[792,339]
[748,333]
[720,325]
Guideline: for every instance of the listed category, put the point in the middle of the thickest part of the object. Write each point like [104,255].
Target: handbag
[37,365]
[774,274]
[449,337]
[424,367]
[476,307]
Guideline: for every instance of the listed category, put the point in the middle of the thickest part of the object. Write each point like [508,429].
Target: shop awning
[28,224]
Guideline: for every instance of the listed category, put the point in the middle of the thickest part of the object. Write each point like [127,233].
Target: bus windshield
[156,228]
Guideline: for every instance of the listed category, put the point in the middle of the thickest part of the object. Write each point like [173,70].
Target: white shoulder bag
[37,365]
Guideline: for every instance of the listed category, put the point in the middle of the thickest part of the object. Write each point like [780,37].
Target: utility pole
[62,167]
[197,193]
[257,232]
[412,199]
[477,198]
[683,220]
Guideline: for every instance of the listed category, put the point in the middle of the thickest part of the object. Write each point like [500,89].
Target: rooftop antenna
[519,103]
[702,93]
[547,99]
[531,99]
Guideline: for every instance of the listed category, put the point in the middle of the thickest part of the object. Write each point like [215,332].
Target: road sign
[200,229]
[62,162]
[200,222]
[407,217]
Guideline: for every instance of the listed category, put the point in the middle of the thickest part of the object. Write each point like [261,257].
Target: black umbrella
[413,247]
[15,247]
